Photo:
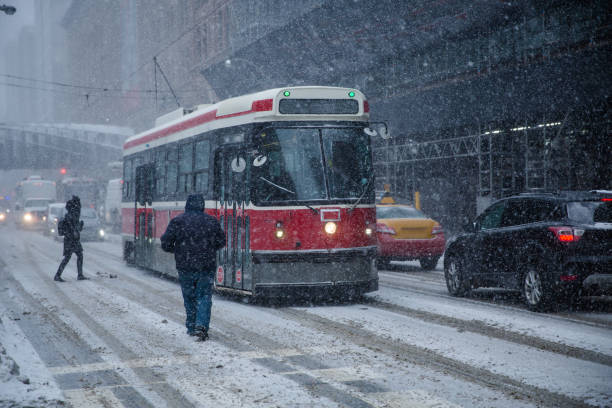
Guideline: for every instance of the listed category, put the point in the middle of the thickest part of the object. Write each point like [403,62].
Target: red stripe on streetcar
[261,105]
[198,120]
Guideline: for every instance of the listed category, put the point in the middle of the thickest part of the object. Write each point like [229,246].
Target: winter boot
[82,277]
[202,334]
[58,278]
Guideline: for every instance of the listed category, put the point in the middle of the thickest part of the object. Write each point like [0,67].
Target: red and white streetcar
[288,172]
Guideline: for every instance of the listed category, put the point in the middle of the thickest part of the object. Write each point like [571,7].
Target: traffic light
[63,171]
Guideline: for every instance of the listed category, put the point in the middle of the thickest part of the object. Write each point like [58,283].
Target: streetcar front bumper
[318,290]
[345,272]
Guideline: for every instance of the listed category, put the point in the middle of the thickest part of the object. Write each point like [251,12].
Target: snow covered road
[119,340]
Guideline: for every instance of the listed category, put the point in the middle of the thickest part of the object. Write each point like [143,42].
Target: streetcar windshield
[309,164]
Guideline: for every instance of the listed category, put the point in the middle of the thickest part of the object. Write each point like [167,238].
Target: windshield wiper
[314,210]
[276,185]
[365,190]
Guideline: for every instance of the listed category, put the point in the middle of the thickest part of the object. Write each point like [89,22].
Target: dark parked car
[544,245]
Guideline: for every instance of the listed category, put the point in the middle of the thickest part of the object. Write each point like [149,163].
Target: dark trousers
[197,296]
[65,261]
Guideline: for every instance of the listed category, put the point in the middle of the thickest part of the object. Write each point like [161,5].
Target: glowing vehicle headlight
[280,232]
[101,232]
[27,217]
[330,228]
[368,231]
[44,218]
[1,217]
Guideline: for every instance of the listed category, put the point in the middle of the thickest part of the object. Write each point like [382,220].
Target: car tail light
[567,234]
[437,229]
[384,229]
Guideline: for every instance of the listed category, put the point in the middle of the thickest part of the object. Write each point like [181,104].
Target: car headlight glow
[1,217]
[101,232]
[368,231]
[27,217]
[331,227]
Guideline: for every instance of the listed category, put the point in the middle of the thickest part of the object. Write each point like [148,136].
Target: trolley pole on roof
[167,82]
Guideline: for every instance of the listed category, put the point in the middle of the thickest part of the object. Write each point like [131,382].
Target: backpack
[61,227]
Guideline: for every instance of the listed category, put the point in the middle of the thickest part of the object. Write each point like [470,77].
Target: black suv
[543,244]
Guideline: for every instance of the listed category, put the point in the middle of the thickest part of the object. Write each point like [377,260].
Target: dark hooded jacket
[194,237]
[71,226]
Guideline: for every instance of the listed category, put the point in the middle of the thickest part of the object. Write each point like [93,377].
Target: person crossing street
[70,227]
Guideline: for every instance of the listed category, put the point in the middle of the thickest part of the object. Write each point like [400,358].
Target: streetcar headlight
[27,217]
[368,231]
[101,232]
[44,218]
[331,228]
[280,232]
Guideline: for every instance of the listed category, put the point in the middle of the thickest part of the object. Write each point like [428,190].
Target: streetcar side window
[185,168]
[201,165]
[160,173]
[171,170]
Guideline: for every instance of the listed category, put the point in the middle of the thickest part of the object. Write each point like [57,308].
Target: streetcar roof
[256,107]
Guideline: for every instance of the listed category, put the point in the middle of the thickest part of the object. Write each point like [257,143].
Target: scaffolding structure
[497,161]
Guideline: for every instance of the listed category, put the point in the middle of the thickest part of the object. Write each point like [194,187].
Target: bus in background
[33,195]
[112,204]
[287,172]
[87,189]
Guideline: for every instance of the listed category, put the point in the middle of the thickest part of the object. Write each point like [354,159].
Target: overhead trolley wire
[92,88]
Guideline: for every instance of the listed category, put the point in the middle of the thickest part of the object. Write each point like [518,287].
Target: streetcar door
[231,195]
[143,231]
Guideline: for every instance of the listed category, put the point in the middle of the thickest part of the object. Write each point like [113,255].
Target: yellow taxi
[405,233]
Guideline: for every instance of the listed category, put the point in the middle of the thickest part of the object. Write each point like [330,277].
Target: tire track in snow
[479,327]
[428,358]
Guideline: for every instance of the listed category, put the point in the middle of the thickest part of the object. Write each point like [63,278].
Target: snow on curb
[24,379]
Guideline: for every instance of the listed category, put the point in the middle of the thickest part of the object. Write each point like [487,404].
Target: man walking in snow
[194,237]
[70,227]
